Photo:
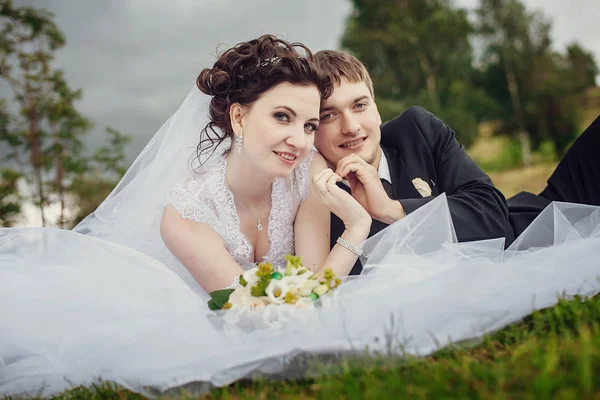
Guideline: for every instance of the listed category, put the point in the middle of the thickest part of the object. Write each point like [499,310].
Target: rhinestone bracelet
[349,246]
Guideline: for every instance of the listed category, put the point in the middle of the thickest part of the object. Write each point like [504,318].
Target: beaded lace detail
[205,197]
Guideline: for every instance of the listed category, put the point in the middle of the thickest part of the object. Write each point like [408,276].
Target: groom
[395,168]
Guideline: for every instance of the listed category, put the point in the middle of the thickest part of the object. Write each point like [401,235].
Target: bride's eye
[283,117]
[311,128]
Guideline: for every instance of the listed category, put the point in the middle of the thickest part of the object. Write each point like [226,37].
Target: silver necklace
[259,226]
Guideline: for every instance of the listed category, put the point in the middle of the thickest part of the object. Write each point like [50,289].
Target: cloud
[136,60]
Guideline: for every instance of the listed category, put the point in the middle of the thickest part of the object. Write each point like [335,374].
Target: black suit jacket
[418,145]
[575,180]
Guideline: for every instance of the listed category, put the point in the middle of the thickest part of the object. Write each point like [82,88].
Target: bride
[122,297]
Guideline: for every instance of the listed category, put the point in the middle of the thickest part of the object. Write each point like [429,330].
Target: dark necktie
[388,187]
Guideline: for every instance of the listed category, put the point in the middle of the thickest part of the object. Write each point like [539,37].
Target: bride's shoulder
[198,181]
[318,163]
[312,160]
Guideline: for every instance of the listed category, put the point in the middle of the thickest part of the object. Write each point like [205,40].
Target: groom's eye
[325,117]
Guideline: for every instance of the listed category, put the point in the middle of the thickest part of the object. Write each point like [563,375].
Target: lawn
[554,353]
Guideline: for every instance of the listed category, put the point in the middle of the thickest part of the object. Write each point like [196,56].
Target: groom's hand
[367,189]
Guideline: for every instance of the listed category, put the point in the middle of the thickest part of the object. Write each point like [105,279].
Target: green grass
[554,353]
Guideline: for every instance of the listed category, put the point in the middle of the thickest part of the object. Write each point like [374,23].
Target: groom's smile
[350,123]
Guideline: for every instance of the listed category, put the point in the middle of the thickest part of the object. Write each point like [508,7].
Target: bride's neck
[247,182]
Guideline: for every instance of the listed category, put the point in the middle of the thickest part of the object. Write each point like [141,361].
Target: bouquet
[264,286]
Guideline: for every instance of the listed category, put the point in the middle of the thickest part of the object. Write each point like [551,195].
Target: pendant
[259,226]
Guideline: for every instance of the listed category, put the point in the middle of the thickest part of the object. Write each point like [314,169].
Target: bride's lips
[286,158]
[352,144]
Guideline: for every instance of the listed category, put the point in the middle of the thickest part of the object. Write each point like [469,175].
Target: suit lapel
[402,186]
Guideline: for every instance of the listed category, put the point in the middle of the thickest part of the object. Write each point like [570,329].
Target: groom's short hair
[339,64]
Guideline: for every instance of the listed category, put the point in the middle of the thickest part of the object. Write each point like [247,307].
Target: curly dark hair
[244,72]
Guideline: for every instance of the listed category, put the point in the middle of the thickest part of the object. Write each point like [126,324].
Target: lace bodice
[205,197]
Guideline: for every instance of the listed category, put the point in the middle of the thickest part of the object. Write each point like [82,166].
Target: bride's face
[279,128]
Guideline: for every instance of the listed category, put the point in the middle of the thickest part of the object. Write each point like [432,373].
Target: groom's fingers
[346,167]
[351,159]
[352,180]
[358,169]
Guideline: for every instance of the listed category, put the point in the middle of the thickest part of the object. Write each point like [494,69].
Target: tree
[583,67]
[516,38]
[105,169]
[45,134]
[417,52]
[10,207]
[536,88]
[29,38]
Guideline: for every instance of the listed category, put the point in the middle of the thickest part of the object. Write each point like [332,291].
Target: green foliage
[259,289]
[537,87]
[44,135]
[218,298]
[10,207]
[418,53]
[583,67]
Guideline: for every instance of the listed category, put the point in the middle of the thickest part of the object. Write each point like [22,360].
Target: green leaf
[242,280]
[212,305]
[259,289]
[220,297]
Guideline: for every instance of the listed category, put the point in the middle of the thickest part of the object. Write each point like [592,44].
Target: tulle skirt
[75,309]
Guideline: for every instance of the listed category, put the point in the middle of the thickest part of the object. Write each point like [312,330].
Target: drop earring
[239,142]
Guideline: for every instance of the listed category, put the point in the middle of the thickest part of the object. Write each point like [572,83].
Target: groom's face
[350,123]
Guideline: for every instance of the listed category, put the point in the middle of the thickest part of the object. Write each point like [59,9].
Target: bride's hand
[340,202]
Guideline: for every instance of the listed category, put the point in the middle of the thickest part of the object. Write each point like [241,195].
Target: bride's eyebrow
[291,110]
[287,108]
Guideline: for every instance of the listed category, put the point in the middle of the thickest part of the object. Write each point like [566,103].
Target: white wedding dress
[107,301]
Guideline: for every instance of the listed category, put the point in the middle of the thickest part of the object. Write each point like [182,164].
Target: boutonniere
[422,187]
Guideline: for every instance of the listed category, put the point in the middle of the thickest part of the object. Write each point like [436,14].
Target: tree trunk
[430,80]
[59,180]
[36,152]
[36,163]
[513,88]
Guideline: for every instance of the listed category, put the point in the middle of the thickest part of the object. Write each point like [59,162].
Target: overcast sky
[137,59]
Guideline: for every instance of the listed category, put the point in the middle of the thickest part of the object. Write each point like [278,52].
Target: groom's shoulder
[412,122]
[411,116]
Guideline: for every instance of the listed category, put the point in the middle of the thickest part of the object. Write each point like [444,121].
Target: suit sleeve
[478,209]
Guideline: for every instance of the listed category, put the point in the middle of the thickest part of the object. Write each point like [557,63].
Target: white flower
[304,303]
[257,302]
[250,277]
[240,297]
[276,291]
[307,287]
[321,290]
[295,280]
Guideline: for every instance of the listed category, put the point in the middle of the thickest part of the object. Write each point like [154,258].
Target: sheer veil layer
[108,301]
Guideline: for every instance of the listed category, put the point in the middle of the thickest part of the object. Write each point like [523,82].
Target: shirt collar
[384,168]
